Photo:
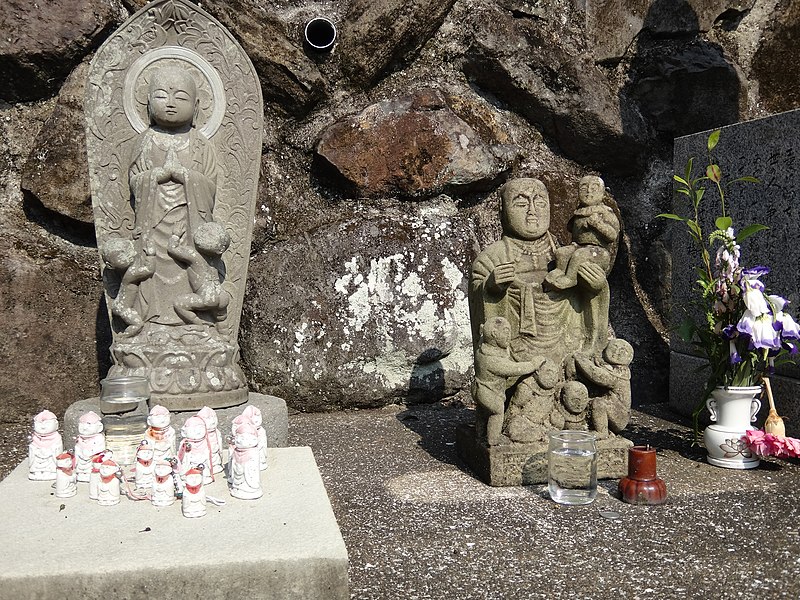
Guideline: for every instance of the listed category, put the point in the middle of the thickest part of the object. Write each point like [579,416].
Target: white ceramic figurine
[163,493]
[245,473]
[144,466]
[195,448]
[254,414]
[214,437]
[44,446]
[193,501]
[66,485]
[160,433]
[108,491]
[89,442]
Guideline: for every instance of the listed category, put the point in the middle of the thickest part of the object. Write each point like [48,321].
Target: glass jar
[123,404]
[572,467]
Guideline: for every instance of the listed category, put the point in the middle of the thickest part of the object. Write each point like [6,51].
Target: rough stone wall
[380,165]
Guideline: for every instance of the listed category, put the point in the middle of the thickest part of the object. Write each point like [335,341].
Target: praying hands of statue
[593,276]
[171,171]
[501,277]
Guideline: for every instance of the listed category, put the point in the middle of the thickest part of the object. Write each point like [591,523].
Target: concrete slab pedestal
[283,546]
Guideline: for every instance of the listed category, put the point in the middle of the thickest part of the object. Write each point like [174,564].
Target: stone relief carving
[174,124]
[539,312]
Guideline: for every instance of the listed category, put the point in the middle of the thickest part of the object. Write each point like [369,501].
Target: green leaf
[680,179]
[683,191]
[714,173]
[700,193]
[689,165]
[670,216]
[746,232]
[686,331]
[723,223]
[695,228]
[748,179]
[713,139]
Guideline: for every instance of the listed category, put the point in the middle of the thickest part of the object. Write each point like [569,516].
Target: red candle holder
[642,485]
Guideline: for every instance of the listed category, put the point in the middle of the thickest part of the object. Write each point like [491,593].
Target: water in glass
[572,467]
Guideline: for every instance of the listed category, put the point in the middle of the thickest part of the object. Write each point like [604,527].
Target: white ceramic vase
[733,409]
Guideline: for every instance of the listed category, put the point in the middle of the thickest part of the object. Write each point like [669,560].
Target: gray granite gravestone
[768,149]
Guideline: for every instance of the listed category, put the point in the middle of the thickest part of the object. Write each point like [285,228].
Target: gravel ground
[417,524]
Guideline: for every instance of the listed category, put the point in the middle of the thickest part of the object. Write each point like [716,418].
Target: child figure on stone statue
[120,256]
[611,372]
[528,412]
[493,367]
[203,267]
[594,228]
[571,412]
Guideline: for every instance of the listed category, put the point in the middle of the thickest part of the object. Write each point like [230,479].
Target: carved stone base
[188,367]
[526,464]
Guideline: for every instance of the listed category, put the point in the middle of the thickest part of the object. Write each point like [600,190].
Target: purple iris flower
[756,271]
[735,357]
[784,323]
[760,329]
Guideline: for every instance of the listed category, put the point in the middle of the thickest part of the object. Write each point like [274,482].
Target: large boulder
[56,171]
[413,146]
[675,83]
[378,34]
[776,64]
[363,312]
[557,87]
[288,77]
[52,337]
[613,26]
[41,42]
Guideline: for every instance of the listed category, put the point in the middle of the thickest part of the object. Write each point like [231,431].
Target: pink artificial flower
[754,438]
[767,444]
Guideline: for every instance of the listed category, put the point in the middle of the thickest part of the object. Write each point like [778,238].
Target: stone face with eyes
[172,99]
[526,209]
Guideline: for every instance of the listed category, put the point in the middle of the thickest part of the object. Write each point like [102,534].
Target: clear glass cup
[123,404]
[572,467]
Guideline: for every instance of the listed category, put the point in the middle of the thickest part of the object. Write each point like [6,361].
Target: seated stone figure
[611,411]
[530,406]
[203,267]
[493,367]
[532,338]
[571,412]
[594,228]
